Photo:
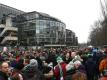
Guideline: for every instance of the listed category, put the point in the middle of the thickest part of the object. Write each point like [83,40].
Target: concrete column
[8,22]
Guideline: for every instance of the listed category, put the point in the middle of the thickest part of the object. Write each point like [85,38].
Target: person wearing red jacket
[60,69]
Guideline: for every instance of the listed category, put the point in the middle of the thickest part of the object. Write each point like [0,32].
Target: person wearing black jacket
[4,71]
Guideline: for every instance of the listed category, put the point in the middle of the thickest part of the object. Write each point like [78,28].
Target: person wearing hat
[60,69]
[31,71]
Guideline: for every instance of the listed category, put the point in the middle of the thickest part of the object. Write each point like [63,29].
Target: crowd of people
[53,64]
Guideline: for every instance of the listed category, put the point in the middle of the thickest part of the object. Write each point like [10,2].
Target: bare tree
[98,35]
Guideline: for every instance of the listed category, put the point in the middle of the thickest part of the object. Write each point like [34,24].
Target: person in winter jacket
[4,71]
[31,71]
[60,69]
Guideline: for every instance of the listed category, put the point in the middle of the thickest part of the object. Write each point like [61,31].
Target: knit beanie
[59,59]
[33,62]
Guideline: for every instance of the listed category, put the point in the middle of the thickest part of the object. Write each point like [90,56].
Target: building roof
[5,6]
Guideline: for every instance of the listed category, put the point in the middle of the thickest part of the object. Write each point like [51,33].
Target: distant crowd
[89,63]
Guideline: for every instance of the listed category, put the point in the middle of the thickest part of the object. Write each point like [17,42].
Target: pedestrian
[4,71]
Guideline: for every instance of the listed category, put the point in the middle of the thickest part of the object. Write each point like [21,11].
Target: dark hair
[79,76]
[19,66]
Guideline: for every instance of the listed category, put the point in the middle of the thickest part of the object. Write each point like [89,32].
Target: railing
[9,38]
[8,29]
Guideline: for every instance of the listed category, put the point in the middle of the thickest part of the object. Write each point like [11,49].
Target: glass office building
[36,28]
[39,29]
[71,39]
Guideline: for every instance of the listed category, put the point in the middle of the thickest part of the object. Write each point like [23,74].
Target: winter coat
[32,73]
[57,71]
[3,76]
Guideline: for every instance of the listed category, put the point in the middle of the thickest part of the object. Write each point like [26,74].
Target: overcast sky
[78,15]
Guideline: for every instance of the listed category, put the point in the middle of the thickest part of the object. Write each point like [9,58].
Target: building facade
[39,29]
[71,39]
[8,33]
[6,10]
[35,28]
